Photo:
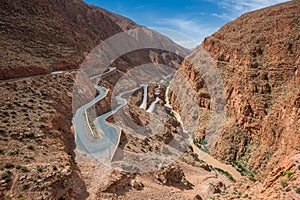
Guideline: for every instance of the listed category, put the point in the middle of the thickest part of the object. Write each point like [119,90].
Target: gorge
[74,128]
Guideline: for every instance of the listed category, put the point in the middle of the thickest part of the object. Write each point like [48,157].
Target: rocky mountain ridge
[258,57]
[39,37]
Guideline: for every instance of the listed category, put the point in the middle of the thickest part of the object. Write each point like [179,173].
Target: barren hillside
[258,57]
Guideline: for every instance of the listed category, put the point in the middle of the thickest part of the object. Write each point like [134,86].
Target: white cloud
[178,37]
[222,16]
[198,29]
[238,7]
[141,7]
[192,27]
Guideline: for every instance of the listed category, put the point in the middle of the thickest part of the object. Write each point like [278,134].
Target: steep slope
[258,56]
[37,158]
[36,139]
[38,37]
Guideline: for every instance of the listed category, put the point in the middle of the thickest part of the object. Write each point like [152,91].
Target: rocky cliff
[258,56]
[38,37]
[37,145]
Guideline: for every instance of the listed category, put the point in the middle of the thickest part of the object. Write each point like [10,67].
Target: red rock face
[38,37]
[49,34]
[258,57]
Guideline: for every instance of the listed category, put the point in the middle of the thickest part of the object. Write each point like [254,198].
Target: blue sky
[196,19]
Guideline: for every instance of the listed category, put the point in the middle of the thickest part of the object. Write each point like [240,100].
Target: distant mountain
[40,36]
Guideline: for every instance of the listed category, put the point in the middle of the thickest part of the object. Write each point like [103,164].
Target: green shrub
[24,169]
[5,113]
[30,147]
[18,166]
[226,174]
[298,190]
[288,173]
[30,157]
[25,186]
[6,176]
[251,178]
[8,165]
[283,183]
[37,140]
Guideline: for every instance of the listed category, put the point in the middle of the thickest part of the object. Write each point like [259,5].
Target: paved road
[110,69]
[104,147]
[86,142]
[152,105]
[145,94]
[57,72]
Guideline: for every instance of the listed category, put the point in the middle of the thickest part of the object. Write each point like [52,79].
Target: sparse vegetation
[30,147]
[243,170]
[25,186]
[168,81]
[251,178]
[288,173]
[201,144]
[24,169]
[8,165]
[6,176]
[18,166]
[283,183]
[56,50]
[226,174]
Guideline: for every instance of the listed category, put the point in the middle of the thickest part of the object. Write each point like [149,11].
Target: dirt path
[215,163]
[201,154]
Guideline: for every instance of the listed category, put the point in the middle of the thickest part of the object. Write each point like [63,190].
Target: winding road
[144,102]
[152,105]
[103,146]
